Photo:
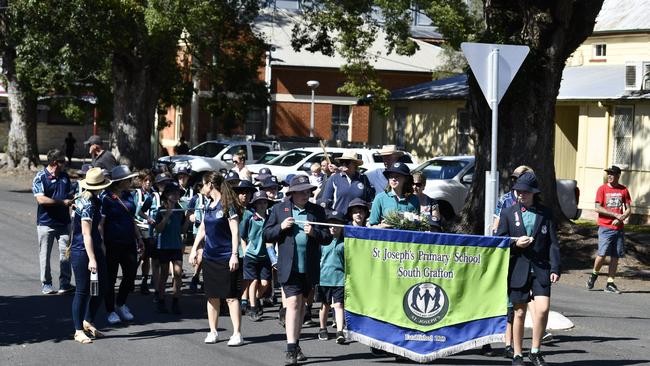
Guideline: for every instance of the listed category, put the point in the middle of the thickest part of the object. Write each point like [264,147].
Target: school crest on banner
[424,295]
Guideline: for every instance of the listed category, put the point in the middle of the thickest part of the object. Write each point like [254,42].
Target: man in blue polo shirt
[51,188]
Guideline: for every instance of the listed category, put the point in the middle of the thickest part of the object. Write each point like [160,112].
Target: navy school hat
[527,182]
[300,183]
[244,185]
[270,182]
[232,177]
[171,187]
[358,202]
[259,196]
[336,216]
[163,178]
[399,168]
[263,174]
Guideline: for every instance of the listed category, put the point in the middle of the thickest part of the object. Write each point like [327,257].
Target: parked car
[217,155]
[450,177]
[300,160]
[269,156]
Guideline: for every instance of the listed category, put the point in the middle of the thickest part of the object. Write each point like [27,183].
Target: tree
[134,48]
[22,150]
[552,30]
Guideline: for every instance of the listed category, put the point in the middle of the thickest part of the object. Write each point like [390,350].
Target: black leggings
[120,255]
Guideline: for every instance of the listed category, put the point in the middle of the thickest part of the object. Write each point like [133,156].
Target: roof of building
[623,16]
[578,83]
[276,26]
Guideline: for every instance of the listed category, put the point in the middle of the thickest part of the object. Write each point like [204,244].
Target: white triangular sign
[510,59]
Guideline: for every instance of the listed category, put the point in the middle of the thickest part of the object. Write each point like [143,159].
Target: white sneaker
[124,312]
[211,337]
[235,340]
[113,318]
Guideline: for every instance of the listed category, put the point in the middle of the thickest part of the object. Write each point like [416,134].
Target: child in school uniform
[358,212]
[332,278]
[196,209]
[169,243]
[257,266]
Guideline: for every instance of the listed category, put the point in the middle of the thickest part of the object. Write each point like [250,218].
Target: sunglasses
[418,184]
[344,162]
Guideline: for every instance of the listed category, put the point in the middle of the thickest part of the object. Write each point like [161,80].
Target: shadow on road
[40,318]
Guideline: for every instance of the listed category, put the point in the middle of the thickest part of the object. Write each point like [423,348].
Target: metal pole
[311,119]
[491,191]
[194,111]
[267,80]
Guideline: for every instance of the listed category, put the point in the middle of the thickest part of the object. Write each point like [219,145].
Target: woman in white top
[240,166]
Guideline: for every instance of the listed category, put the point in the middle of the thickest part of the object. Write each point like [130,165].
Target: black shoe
[176,309]
[160,306]
[509,352]
[144,289]
[290,358]
[299,355]
[340,338]
[611,288]
[591,281]
[155,297]
[323,335]
[244,307]
[487,350]
[518,361]
[537,359]
[254,314]
[307,320]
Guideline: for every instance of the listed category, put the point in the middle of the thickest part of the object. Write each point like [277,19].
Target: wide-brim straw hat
[121,172]
[390,150]
[94,180]
[350,156]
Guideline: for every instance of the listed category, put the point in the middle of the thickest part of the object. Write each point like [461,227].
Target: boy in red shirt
[613,206]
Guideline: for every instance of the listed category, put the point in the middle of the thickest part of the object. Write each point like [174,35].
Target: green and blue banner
[424,295]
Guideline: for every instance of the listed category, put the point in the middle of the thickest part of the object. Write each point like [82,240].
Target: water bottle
[94,284]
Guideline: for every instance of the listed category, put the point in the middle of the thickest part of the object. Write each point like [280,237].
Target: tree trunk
[135,99]
[22,149]
[552,30]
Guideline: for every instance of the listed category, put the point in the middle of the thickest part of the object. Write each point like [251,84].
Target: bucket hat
[300,183]
[162,178]
[232,178]
[244,185]
[270,182]
[399,168]
[95,180]
[357,202]
[527,182]
[336,216]
[263,174]
[259,196]
[121,172]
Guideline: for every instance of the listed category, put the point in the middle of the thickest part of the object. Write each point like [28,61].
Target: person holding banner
[398,195]
[220,229]
[534,263]
[291,224]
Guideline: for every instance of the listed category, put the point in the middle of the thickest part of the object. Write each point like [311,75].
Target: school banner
[424,295]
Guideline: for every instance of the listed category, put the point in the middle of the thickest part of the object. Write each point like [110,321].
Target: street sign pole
[491,191]
[494,67]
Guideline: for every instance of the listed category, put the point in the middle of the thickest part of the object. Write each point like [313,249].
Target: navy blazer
[286,242]
[543,255]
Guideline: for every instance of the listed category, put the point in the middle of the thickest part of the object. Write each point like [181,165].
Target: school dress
[84,306]
[169,242]
[218,280]
[150,205]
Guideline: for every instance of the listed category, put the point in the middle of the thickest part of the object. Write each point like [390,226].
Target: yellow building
[602,110]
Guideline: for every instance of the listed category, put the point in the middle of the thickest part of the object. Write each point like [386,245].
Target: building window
[600,50]
[463,133]
[5,116]
[623,133]
[340,122]
[400,114]
[255,122]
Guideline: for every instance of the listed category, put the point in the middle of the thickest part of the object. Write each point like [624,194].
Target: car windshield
[289,159]
[443,169]
[266,158]
[208,149]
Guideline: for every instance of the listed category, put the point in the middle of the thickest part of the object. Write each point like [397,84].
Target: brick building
[336,116]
